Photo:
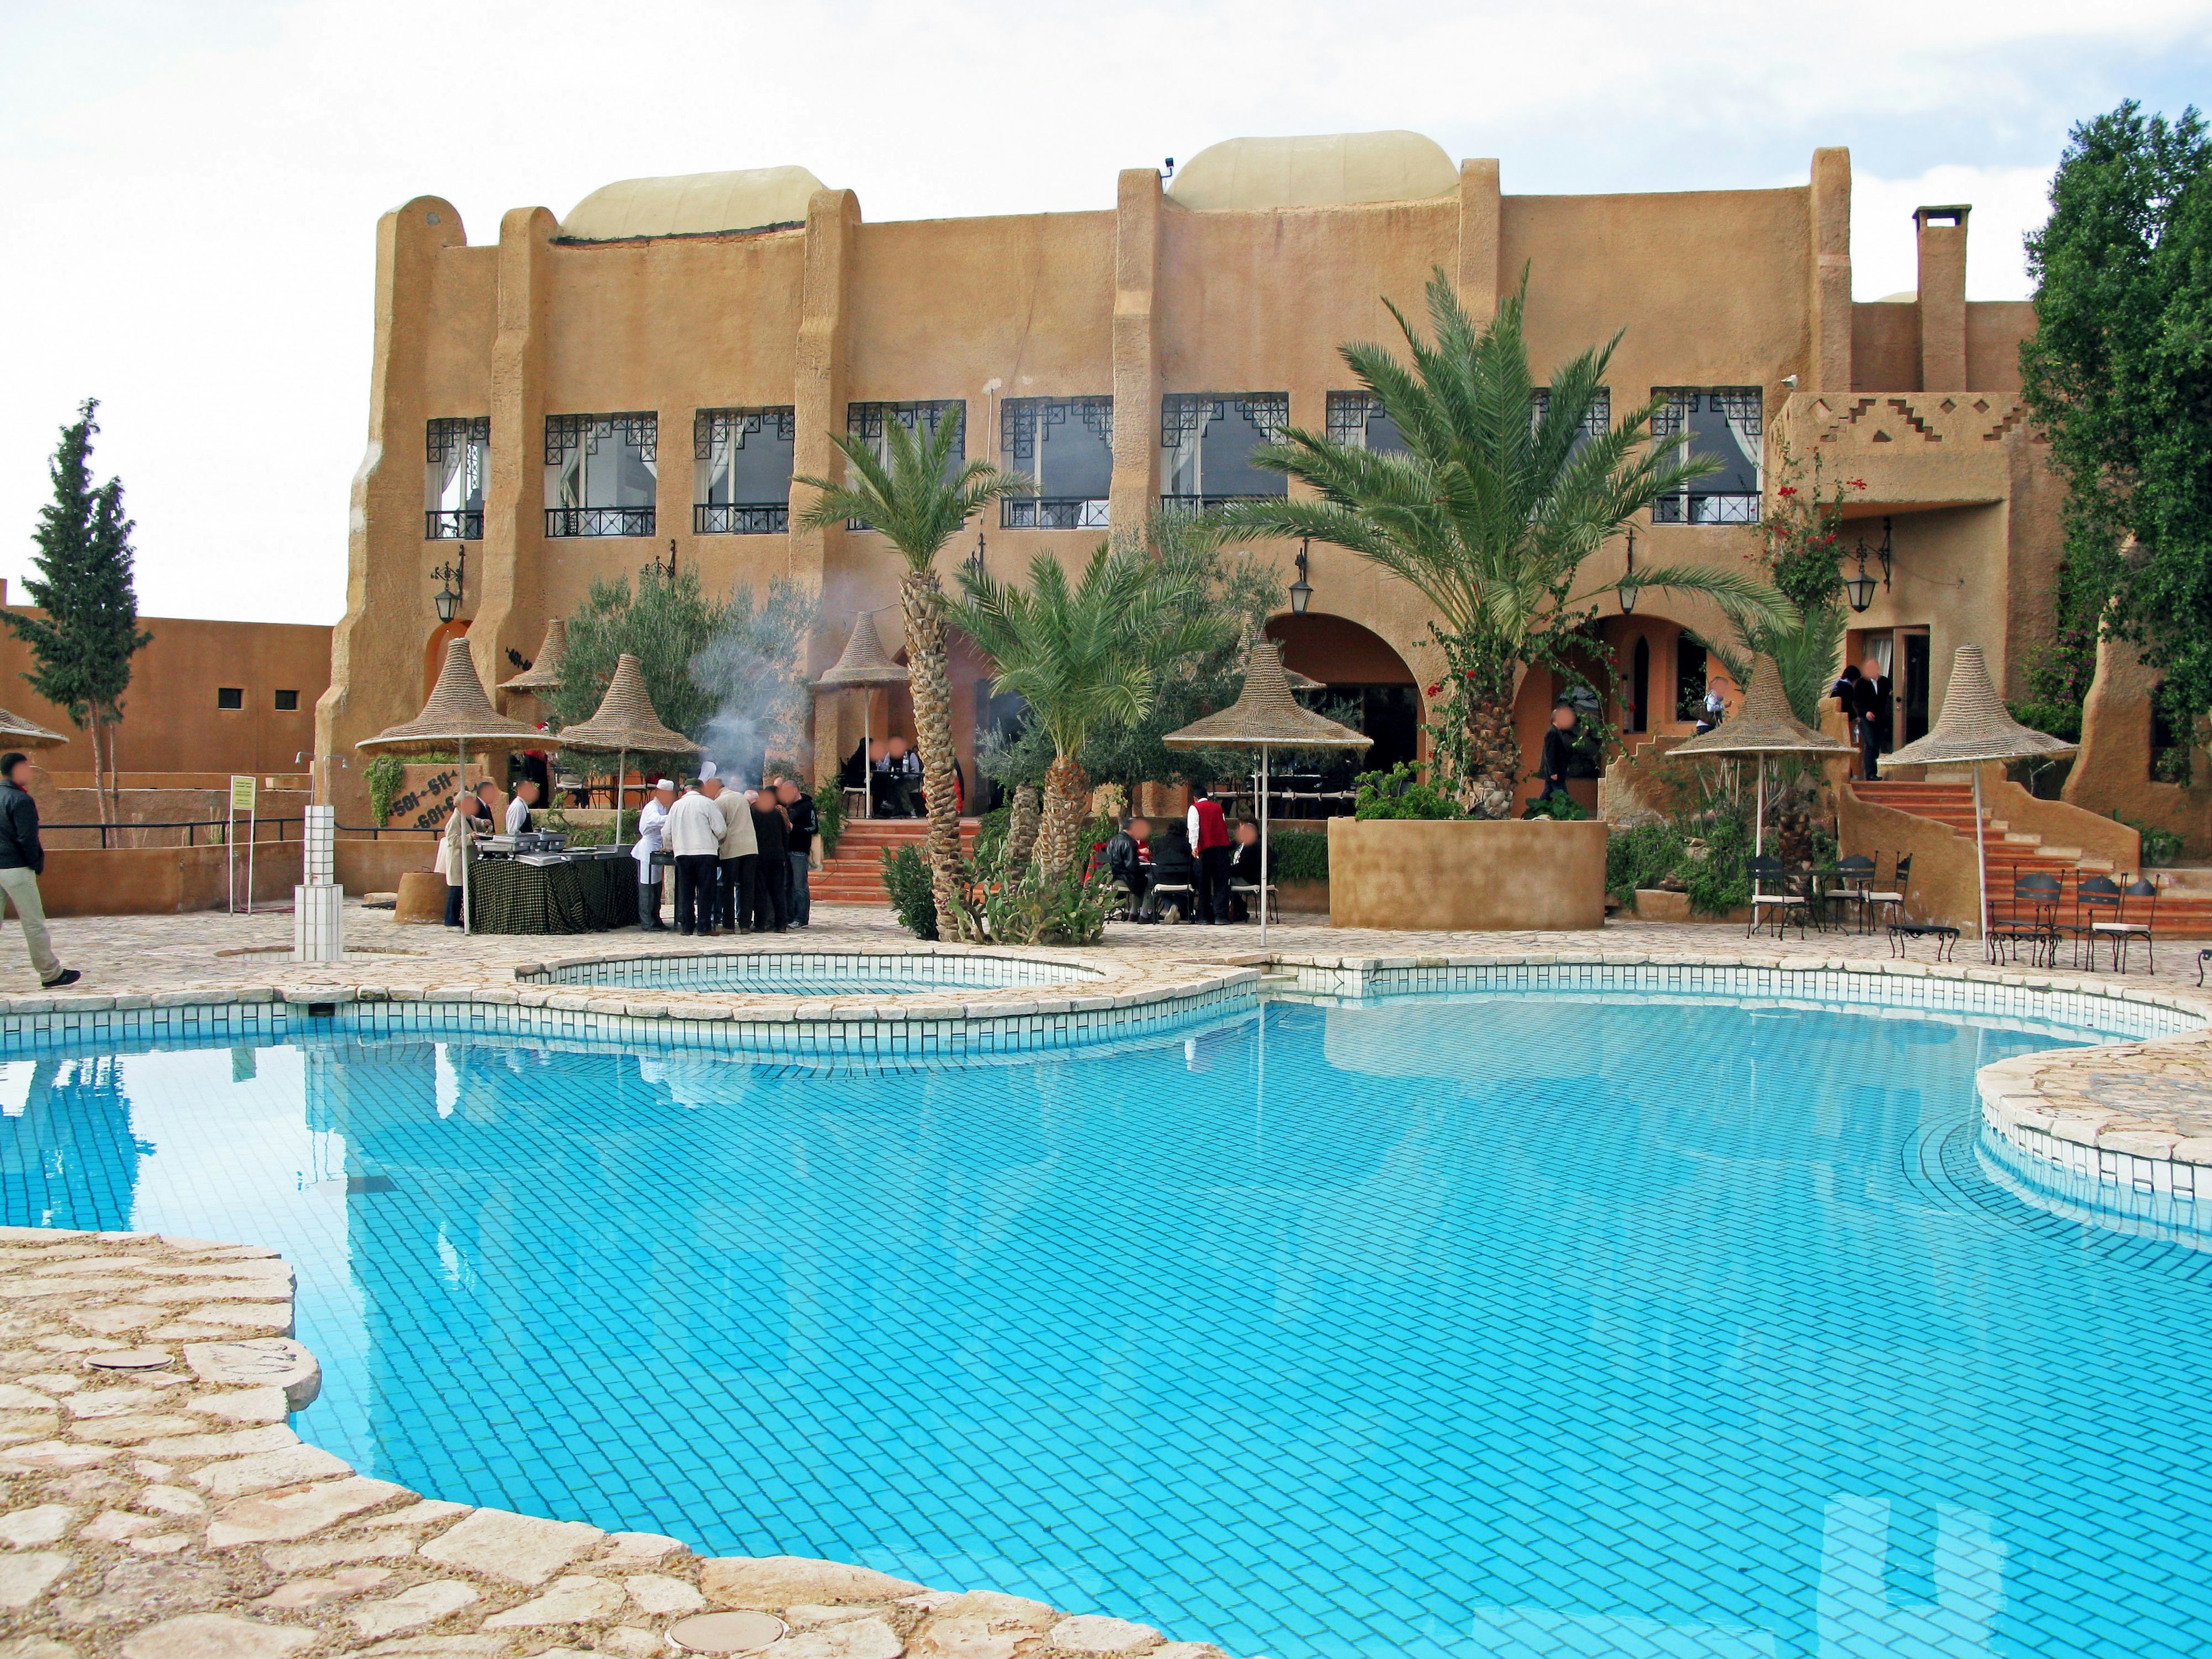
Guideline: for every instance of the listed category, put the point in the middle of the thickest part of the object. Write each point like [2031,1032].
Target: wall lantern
[453,580]
[1859,589]
[1302,589]
[1629,588]
[665,573]
[975,561]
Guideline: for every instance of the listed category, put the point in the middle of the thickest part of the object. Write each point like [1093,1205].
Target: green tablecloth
[585,896]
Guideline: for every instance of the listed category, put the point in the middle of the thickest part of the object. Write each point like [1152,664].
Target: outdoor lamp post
[665,573]
[1629,586]
[1859,589]
[1302,589]
[454,578]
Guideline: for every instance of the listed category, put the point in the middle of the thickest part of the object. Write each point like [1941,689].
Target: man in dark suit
[1870,702]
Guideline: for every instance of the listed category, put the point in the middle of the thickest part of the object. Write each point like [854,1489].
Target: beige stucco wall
[1136,298]
[2111,774]
[1411,875]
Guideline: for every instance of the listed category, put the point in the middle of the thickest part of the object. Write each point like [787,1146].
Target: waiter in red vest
[1209,845]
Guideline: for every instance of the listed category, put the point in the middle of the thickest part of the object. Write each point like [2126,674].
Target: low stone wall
[156,1504]
[154,881]
[375,866]
[1420,875]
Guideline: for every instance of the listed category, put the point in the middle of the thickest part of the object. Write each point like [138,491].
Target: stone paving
[154,1503]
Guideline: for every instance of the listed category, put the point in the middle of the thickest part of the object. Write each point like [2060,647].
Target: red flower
[1858,483]
[1436,690]
[1787,489]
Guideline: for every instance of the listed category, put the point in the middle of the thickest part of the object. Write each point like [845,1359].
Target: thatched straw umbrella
[16,732]
[865,664]
[1762,726]
[625,720]
[1973,727]
[458,716]
[1265,716]
[544,673]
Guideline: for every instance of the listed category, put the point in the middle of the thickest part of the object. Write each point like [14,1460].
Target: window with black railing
[1358,421]
[1065,447]
[456,454]
[741,471]
[1723,424]
[1206,443]
[870,422]
[601,473]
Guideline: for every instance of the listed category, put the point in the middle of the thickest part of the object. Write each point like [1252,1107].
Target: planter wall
[1469,876]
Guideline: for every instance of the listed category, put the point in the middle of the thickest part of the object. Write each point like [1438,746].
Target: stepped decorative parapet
[1927,448]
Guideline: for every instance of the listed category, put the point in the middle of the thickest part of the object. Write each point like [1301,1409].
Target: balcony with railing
[453,524]
[1052,513]
[563,521]
[741,518]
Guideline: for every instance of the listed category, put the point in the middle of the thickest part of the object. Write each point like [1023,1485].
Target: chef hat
[706,770]
[666,783]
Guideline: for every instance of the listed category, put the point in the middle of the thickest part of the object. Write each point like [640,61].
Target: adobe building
[587,395]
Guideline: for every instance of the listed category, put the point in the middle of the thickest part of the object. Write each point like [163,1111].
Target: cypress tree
[83,642]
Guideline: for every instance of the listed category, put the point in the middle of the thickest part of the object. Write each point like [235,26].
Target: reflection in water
[1512,1325]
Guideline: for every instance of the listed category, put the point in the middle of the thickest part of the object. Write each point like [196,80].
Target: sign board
[241,795]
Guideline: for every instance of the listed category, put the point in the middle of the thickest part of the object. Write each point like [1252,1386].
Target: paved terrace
[155,1504]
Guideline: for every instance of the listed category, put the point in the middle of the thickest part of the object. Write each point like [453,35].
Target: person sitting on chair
[1126,862]
[1174,866]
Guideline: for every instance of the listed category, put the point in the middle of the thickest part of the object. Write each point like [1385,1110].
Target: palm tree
[913,498]
[1080,654]
[1491,511]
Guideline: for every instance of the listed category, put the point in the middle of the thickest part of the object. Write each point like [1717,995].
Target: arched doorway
[1368,684]
[434,654]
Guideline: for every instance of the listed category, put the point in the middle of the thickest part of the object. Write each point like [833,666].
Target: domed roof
[1335,170]
[693,205]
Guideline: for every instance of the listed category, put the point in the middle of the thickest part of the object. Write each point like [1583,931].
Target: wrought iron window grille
[741,518]
[1347,416]
[1019,418]
[865,421]
[1052,513]
[444,437]
[1206,503]
[1183,413]
[453,524]
[712,427]
[640,429]
[566,521]
[1742,404]
[1700,506]
[1597,420]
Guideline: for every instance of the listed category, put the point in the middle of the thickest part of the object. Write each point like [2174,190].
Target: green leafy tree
[2118,376]
[916,498]
[1490,514]
[83,640]
[1080,652]
[664,623]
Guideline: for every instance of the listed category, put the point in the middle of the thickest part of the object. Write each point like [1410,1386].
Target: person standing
[772,873]
[518,810]
[799,807]
[463,825]
[695,833]
[1871,701]
[1208,830]
[23,861]
[1558,749]
[733,887]
[652,818]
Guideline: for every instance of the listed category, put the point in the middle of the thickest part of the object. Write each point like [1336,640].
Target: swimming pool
[1483,1324]
[817,972]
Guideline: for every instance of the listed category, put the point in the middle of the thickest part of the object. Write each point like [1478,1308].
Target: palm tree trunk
[1023,825]
[1493,758]
[1066,801]
[921,598]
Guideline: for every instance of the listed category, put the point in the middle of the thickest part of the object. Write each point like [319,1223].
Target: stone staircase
[854,875]
[2184,907]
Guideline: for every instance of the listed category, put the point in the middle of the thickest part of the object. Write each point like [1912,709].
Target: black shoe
[67,977]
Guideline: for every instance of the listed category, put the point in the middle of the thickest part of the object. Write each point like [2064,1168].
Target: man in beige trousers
[21,858]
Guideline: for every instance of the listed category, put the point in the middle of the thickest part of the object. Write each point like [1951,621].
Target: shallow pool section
[819,973]
[1516,1324]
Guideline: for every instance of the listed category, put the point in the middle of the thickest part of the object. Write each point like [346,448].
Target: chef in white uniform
[650,823]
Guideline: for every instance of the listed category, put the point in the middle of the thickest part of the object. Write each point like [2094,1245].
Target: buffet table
[566,894]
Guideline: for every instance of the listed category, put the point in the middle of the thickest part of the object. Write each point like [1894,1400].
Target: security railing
[1052,513]
[599,521]
[453,524]
[741,518]
[1697,509]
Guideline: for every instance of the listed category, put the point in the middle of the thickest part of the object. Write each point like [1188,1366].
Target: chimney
[1942,237]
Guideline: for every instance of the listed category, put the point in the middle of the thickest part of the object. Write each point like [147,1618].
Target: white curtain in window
[1744,427]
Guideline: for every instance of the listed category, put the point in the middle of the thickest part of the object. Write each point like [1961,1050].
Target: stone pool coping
[178,1516]
[156,1503]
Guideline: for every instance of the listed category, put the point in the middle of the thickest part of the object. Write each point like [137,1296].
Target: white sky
[195,186]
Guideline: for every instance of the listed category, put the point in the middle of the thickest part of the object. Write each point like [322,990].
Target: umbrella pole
[1981,860]
[1759,835]
[1263,846]
[467,919]
[867,762]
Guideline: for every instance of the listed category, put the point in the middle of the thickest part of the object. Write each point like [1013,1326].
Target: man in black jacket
[772,876]
[1871,701]
[1126,862]
[21,858]
[799,807]
[1558,749]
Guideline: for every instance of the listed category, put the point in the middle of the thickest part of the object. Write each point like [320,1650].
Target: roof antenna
[1170,172]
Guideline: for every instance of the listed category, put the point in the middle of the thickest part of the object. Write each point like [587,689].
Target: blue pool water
[1482,1325]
